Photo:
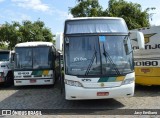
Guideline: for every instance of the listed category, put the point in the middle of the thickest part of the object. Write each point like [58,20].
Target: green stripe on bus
[40,72]
[33,73]
[37,72]
[107,79]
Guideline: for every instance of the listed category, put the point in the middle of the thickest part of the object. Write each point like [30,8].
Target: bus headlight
[73,83]
[128,81]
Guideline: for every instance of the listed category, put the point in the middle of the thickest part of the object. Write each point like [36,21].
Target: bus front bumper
[18,82]
[80,93]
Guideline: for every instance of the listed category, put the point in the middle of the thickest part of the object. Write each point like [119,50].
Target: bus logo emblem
[145,70]
[102,84]
[147,37]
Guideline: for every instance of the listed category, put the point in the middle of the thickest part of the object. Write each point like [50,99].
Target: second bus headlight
[73,83]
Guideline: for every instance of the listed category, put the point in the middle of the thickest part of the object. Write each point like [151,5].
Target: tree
[131,12]
[14,33]
[87,8]
[9,34]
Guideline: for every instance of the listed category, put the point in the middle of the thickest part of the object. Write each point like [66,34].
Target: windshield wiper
[91,62]
[105,53]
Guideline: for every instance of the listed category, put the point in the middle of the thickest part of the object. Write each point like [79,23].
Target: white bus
[36,63]
[98,58]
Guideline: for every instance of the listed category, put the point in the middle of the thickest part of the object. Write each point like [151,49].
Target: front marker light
[73,83]
[128,81]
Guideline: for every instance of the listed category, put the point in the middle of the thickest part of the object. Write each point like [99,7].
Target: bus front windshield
[4,56]
[33,58]
[98,55]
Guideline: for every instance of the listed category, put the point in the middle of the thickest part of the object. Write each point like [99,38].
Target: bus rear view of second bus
[98,58]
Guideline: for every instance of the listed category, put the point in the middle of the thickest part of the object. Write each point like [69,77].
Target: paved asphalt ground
[50,97]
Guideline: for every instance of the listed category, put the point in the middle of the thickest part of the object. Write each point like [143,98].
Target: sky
[54,12]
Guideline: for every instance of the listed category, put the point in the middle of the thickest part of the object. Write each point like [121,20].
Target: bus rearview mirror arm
[139,37]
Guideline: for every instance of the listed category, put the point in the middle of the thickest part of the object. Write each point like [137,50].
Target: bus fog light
[73,83]
[128,81]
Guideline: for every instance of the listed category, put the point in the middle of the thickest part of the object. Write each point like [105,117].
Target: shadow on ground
[147,91]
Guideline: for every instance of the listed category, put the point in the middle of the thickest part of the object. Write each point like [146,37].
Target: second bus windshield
[33,58]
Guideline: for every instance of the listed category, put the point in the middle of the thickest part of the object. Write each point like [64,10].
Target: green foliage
[131,12]
[9,34]
[27,31]
[87,8]
[3,47]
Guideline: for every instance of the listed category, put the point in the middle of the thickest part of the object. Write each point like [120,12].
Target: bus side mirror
[138,37]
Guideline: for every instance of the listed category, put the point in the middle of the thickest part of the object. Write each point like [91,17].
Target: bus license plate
[32,81]
[102,93]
